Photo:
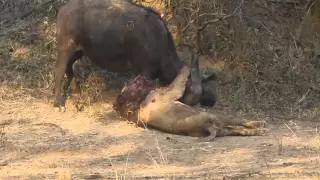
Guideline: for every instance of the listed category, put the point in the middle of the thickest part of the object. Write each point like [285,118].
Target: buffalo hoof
[58,107]
[79,107]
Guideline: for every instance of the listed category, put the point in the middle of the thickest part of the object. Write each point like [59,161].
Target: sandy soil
[39,143]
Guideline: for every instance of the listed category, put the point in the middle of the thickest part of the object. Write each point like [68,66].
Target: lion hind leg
[213,134]
[200,125]
[242,131]
[253,124]
[207,123]
[230,121]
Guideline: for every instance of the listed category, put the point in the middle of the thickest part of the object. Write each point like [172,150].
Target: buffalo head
[195,92]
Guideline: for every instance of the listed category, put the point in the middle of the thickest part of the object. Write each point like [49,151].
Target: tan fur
[161,110]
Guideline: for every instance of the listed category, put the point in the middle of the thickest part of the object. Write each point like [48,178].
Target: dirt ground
[39,143]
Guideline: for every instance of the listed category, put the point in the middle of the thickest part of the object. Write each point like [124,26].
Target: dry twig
[51,124]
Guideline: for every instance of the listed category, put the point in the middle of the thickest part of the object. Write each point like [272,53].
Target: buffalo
[121,36]
[143,103]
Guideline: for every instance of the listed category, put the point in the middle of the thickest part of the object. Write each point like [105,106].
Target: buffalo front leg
[63,66]
[60,70]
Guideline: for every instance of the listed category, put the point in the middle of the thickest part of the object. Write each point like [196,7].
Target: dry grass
[3,138]
[315,142]
[64,176]
[259,69]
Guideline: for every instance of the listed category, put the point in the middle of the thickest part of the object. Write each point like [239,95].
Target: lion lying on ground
[141,102]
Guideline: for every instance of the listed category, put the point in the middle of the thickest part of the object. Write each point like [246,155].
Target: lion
[143,103]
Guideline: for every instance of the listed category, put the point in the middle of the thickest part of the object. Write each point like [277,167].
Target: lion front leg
[176,89]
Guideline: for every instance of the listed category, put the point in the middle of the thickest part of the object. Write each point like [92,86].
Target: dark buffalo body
[116,35]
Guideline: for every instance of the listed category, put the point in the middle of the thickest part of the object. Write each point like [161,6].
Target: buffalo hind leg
[70,76]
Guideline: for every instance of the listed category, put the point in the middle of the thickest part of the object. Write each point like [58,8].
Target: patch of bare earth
[40,143]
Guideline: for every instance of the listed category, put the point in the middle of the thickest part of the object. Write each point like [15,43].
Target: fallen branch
[205,24]
[51,124]
[4,163]
[243,175]
[285,1]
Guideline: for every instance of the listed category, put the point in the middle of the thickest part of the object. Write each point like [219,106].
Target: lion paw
[262,131]
[256,124]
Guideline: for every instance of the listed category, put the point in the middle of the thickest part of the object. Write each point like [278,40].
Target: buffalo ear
[208,99]
[209,77]
[197,63]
